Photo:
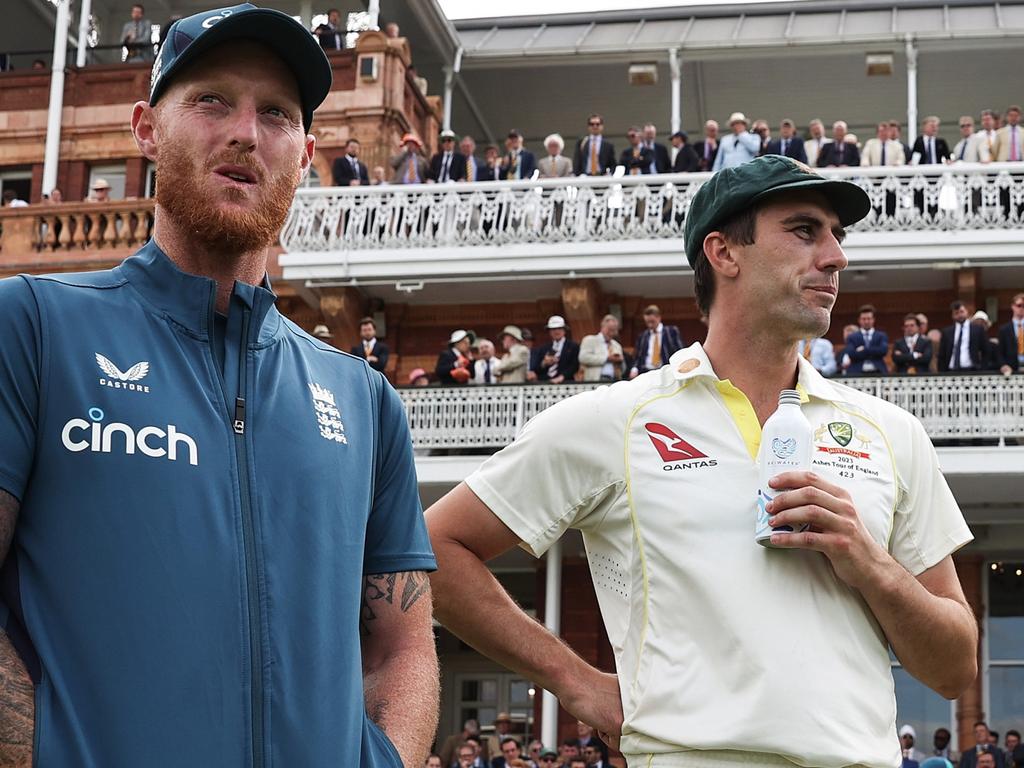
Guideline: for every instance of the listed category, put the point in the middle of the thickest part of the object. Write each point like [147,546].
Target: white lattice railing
[950,407]
[586,209]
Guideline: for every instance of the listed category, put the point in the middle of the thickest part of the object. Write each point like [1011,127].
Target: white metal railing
[589,209]
[950,407]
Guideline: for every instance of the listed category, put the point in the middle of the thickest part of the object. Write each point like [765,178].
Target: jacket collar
[692,363]
[188,299]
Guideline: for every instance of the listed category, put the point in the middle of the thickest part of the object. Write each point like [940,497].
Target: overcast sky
[471,9]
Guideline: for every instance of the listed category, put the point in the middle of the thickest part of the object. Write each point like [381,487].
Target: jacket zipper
[249,547]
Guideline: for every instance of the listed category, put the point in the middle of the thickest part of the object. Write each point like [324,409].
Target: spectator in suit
[490,168]
[601,354]
[763,132]
[816,140]
[346,170]
[867,346]
[1008,147]
[929,148]
[820,353]
[707,148]
[447,165]
[330,34]
[662,163]
[1011,339]
[480,759]
[595,155]
[912,352]
[636,159]
[966,149]
[686,158]
[467,148]
[882,150]
[137,35]
[559,359]
[568,751]
[371,349]
[533,751]
[941,740]
[1012,741]
[739,147]
[433,761]
[511,755]
[518,163]
[983,754]
[986,137]
[453,364]
[788,144]
[409,165]
[593,757]
[502,729]
[656,344]
[588,739]
[895,131]
[555,165]
[990,359]
[486,368]
[838,153]
[963,345]
[453,744]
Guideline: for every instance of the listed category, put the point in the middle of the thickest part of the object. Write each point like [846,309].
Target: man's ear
[144,129]
[719,255]
[306,161]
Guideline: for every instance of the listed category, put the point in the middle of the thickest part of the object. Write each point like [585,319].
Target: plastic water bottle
[787,442]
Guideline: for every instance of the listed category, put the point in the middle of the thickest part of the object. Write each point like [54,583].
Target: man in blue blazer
[788,144]
[595,155]
[656,344]
[517,163]
[867,347]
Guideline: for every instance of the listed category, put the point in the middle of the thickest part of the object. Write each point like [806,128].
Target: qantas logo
[673,449]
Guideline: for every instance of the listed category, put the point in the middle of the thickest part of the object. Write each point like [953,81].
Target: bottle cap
[789,397]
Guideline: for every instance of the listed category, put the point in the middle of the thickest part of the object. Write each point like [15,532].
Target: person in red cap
[409,165]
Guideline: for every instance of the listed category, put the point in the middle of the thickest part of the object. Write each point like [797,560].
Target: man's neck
[223,268]
[730,346]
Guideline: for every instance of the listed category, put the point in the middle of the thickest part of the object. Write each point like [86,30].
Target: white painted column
[306,13]
[373,10]
[83,32]
[675,67]
[450,73]
[911,90]
[552,620]
[60,53]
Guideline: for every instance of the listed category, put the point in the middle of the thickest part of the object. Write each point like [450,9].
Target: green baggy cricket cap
[732,189]
[189,38]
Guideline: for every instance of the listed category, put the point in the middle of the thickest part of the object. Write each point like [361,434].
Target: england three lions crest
[328,417]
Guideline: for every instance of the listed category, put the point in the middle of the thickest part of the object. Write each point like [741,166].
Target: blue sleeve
[396,534]
[19,383]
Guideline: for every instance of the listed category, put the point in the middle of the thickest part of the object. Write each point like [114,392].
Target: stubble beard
[183,193]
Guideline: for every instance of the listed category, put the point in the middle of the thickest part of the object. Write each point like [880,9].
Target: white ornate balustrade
[605,209]
[950,407]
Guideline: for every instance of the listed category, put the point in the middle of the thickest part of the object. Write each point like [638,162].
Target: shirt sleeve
[563,471]
[396,534]
[928,523]
[19,383]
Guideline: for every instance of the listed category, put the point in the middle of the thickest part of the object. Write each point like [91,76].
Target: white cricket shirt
[721,644]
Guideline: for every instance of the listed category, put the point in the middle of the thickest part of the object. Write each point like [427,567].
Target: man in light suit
[788,144]
[1011,339]
[555,165]
[739,147]
[515,363]
[1008,146]
[518,163]
[986,137]
[601,354]
[929,148]
[838,153]
[895,133]
[817,140]
[656,344]
[347,171]
[370,348]
[867,347]
[409,165]
[882,150]
[966,149]
[662,162]
[912,352]
[595,155]
[964,346]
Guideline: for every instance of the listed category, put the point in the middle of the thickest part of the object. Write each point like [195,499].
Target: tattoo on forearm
[383,586]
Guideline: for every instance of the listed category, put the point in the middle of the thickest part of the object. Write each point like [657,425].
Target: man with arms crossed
[726,649]
[206,502]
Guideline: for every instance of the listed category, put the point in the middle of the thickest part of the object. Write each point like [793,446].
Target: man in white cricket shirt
[729,653]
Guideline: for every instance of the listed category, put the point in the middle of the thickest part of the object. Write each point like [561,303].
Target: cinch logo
[81,435]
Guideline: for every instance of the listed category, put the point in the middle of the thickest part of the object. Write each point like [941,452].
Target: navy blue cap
[189,38]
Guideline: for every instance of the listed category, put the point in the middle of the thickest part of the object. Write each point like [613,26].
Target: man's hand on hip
[595,699]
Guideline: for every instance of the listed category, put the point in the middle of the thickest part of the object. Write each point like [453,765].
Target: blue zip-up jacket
[186,574]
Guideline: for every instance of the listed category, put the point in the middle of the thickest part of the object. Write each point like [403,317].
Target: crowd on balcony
[501,748]
[993,140]
[968,344]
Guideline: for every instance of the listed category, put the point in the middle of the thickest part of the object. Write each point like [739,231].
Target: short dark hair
[432,754]
[513,739]
[570,743]
[353,139]
[652,309]
[593,116]
[1013,108]
[740,228]
[1013,732]
[866,308]
[911,316]
[980,722]
[139,6]
[680,135]
[370,320]
[955,306]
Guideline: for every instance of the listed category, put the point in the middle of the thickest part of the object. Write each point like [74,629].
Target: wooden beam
[582,306]
[341,309]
